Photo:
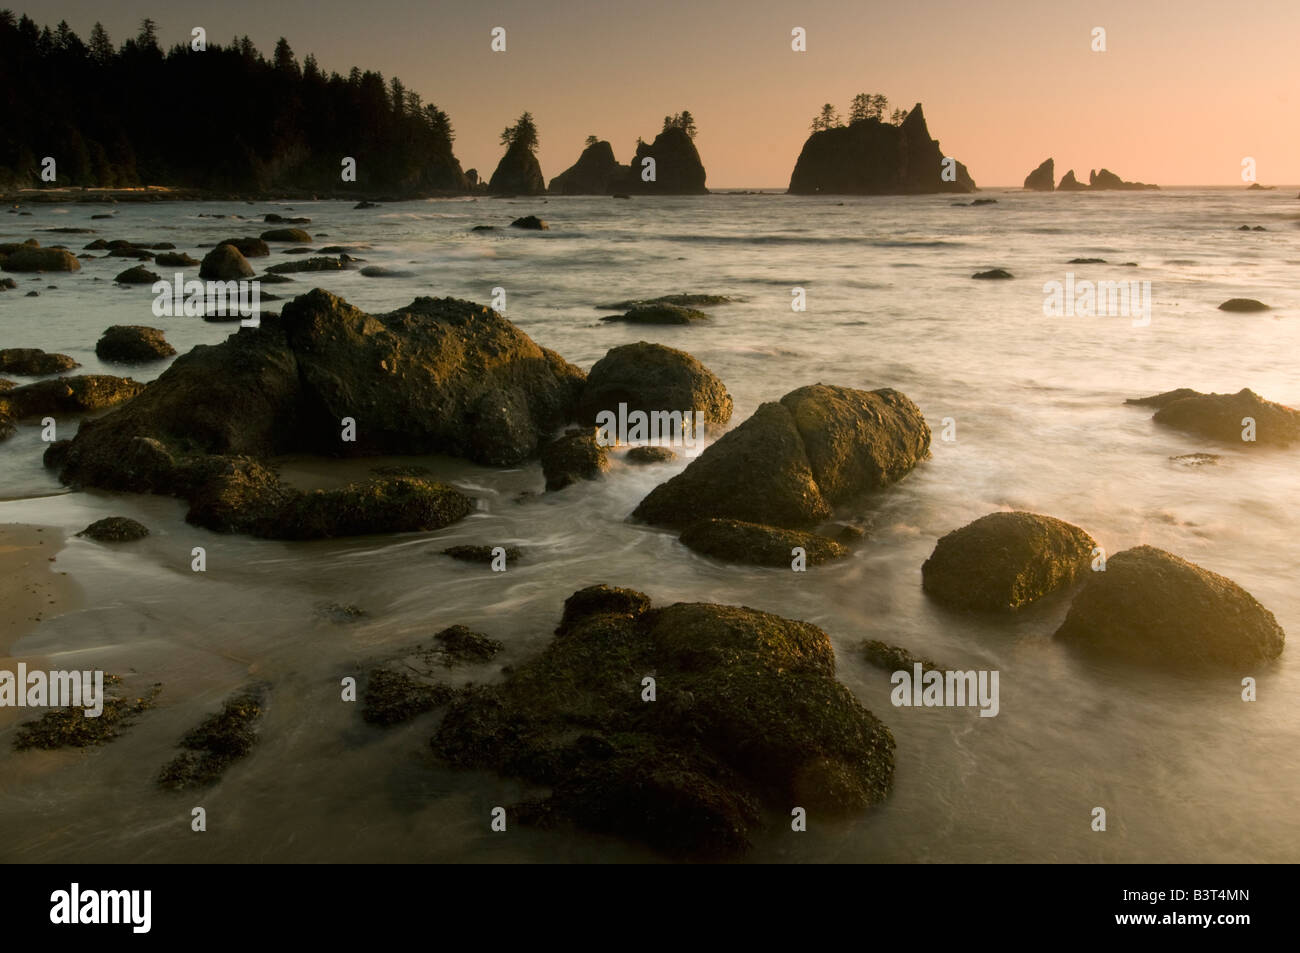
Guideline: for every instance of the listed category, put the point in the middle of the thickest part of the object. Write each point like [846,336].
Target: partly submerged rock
[652,377]
[644,456]
[687,300]
[249,246]
[531,222]
[438,376]
[115,529]
[225,263]
[596,172]
[1243,305]
[739,542]
[33,362]
[1004,561]
[138,275]
[789,462]
[307,264]
[68,395]
[993,274]
[481,554]
[131,343]
[295,236]
[34,258]
[575,456]
[1229,418]
[747,718]
[893,658]
[660,314]
[1152,607]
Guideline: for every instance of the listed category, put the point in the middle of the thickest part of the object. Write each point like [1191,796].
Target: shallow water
[1184,768]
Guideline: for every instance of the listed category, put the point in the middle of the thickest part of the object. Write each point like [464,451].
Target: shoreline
[30,589]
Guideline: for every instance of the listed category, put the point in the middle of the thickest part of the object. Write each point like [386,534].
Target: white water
[1184,768]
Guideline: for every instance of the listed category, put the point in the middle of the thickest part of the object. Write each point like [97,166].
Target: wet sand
[32,589]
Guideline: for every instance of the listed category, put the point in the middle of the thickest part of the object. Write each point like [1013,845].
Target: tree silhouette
[522,135]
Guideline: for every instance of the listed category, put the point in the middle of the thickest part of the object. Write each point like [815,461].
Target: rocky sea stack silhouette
[873,157]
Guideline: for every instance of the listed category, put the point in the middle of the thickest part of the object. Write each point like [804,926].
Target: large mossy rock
[34,258]
[650,377]
[439,376]
[1005,561]
[1221,416]
[792,460]
[1152,607]
[747,718]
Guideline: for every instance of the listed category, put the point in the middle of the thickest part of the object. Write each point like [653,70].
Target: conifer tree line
[225,117]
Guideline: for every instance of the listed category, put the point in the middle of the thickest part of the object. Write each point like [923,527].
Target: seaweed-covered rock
[481,554]
[33,258]
[684,300]
[660,314]
[575,456]
[1152,607]
[747,716]
[68,395]
[132,343]
[1223,416]
[68,727]
[216,743]
[307,264]
[175,260]
[422,680]
[225,263]
[1005,561]
[652,377]
[32,361]
[438,376]
[737,542]
[115,529]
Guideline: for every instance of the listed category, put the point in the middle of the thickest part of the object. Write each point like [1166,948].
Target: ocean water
[1185,769]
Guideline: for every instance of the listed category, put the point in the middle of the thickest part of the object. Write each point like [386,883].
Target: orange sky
[1185,90]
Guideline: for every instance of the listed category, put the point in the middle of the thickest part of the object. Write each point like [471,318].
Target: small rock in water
[530,222]
[893,658]
[648,455]
[993,274]
[1243,304]
[115,529]
[480,554]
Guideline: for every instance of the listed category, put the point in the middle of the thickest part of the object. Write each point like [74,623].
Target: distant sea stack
[873,157]
[596,172]
[678,169]
[1042,179]
[1102,181]
[518,172]
[677,166]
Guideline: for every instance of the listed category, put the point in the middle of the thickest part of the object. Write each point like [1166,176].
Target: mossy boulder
[132,343]
[225,263]
[32,361]
[1222,416]
[439,376]
[747,718]
[294,235]
[68,395]
[1004,561]
[34,258]
[138,275]
[652,377]
[1151,607]
[737,542]
[792,460]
